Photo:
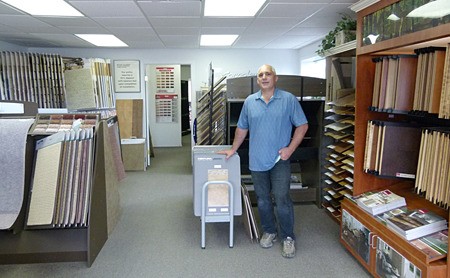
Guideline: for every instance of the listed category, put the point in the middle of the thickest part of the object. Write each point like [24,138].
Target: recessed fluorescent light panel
[217,40]
[232,7]
[102,40]
[44,7]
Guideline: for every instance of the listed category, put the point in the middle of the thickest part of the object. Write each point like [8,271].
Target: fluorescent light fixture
[44,7]
[434,9]
[102,40]
[232,7]
[217,40]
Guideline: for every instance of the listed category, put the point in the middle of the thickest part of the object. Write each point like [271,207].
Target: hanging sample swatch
[45,182]
[13,134]
[62,179]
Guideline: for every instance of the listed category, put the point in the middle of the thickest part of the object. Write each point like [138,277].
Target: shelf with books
[429,265]
[372,106]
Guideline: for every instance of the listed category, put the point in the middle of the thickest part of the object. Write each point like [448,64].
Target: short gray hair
[272,69]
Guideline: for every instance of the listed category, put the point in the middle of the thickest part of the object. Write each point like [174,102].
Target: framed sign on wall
[127,76]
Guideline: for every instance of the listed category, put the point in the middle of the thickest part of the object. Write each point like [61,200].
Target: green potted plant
[344,31]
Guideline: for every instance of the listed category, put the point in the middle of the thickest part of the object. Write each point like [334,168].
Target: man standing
[269,116]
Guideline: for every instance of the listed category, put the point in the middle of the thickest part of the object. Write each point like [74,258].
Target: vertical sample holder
[216,190]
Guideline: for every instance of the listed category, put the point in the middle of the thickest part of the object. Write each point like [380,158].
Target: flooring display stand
[72,244]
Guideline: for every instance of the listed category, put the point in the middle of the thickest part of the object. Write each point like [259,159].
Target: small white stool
[222,216]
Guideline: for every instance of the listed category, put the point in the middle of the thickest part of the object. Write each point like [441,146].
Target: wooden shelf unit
[339,105]
[363,182]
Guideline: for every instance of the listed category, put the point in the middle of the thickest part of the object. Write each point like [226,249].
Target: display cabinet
[379,36]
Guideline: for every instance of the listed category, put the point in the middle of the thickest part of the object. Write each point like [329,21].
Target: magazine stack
[414,223]
[379,202]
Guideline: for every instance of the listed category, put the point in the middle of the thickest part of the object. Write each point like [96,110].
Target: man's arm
[239,137]
[299,134]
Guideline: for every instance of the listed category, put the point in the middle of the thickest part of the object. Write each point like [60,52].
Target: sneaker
[288,248]
[267,240]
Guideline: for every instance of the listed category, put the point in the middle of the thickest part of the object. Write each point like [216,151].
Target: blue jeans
[275,182]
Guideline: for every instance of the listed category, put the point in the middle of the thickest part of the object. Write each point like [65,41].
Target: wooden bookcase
[363,182]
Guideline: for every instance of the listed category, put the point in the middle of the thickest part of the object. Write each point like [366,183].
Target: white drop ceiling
[171,24]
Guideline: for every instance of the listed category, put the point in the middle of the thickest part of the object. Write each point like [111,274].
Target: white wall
[310,63]
[4,46]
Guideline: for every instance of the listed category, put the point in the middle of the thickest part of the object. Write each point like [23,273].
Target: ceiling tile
[69,21]
[135,34]
[169,8]
[289,42]
[226,22]
[180,41]
[122,21]
[64,40]
[308,31]
[6,9]
[252,41]
[175,21]
[107,8]
[177,31]
[222,30]
[155,43]
[291,10]
[84,30]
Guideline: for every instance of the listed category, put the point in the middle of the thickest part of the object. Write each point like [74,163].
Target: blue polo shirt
[270,126]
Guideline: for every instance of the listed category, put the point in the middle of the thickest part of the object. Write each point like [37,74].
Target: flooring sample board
[134,154]
[444,105]
[130,114]
[433,170]
[45,182]
[391,84]
[404,95]
[114,141]
[245,214]
[399,151]
[79,89]
[384,82]
[13,135]
[436,81]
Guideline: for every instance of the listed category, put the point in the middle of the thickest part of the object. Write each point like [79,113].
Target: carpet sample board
[13,137]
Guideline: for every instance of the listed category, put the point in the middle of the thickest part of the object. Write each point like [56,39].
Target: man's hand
[228,153]
[285,153]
